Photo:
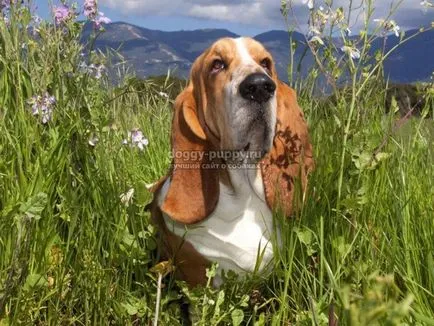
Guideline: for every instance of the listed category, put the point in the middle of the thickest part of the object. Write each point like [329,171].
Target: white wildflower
[96,70]
[93,141]
[380,21]
[318,21]
[164,95]
[389,26]
[323,16]
[427,4]
[99,71]
[126,198]
[393,26]
[314,31]
[316,39]
[354,53]
[83,67]
[309,3]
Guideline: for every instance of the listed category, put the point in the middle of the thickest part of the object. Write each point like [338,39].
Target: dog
[239,144]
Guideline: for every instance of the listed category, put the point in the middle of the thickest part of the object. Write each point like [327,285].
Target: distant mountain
[153,52]
[278,43]
[413,60]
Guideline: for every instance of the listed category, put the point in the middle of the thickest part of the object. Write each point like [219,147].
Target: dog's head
[234,102]
[234,85]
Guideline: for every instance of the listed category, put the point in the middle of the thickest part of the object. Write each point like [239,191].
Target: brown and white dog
[210,208]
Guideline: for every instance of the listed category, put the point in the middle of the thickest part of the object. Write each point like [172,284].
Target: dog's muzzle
[257,87]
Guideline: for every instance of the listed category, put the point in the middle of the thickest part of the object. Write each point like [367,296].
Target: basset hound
[239,142]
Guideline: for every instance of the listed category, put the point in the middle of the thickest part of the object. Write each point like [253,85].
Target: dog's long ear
[290,157]
[194,189]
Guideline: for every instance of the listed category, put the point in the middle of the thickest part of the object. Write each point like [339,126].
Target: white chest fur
[238,231]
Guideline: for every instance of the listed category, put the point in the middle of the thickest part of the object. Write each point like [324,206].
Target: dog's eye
[217,65]
[266,64]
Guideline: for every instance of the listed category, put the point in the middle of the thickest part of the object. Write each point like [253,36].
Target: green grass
[72,252]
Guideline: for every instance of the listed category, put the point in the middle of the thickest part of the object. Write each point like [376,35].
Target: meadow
[78,147]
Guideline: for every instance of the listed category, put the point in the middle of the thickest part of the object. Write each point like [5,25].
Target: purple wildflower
[101,19]
[62,14]
[91,12]
[5,4]
[136,139]
[43,106]
[36,20]
[90,9]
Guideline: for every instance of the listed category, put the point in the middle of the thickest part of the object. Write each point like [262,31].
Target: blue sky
[244,17]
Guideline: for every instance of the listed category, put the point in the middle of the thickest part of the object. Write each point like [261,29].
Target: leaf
[362,195]
[237,317]
[245,301]
[34,206]
[340,245]
[394,105]
[129,240]
[337,121]
[368,161]
[350,204]
[142,194]
[131,310]
[304,236]
[219,302]
[381,156]
[35,281]
[363,160]
[261,320]
[4,322]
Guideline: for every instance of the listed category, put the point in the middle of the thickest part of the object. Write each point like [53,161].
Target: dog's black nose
[257,87]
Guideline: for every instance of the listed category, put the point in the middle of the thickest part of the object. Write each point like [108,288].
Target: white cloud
[145,7]
[240,13]
[265,13]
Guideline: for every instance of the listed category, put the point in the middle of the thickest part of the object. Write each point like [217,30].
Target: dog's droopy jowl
[208,209]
